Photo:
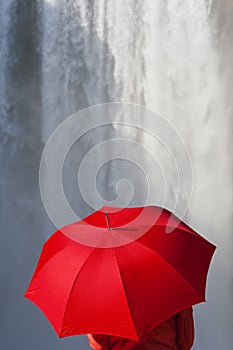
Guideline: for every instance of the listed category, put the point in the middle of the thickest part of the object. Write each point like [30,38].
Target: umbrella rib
[51,257]
[183,231]
[122,281]
[169,263]
[180,273]
[75,279]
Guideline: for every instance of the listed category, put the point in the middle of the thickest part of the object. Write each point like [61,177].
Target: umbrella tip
[108,222]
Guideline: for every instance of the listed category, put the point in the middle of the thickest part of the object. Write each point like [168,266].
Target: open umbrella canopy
[120,271]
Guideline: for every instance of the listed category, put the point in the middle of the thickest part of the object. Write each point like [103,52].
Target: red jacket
[176,333]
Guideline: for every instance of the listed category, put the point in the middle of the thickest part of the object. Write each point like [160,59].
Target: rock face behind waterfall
[21,215]
[60,56]
[20,121]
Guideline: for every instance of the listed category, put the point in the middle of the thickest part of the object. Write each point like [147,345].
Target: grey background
[57,57]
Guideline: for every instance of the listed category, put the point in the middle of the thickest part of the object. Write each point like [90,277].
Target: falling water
[92,53]
[59,56]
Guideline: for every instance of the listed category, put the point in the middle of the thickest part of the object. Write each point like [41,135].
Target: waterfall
[60,56]
[91,54]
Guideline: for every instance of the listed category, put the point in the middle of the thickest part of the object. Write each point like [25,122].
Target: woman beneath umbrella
[176,333]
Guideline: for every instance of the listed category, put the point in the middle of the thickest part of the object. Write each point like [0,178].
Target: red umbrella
[119,272]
